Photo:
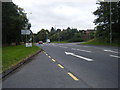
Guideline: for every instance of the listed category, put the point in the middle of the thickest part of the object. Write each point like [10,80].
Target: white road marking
[85,46]
[63,47]
[110,51]
[73,48]
[87,59]
[114,56]
[81,50]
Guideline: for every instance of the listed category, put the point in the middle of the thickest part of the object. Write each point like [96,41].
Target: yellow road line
[49,56]
[60,66]
[53,60]
[44,51]
[73,76]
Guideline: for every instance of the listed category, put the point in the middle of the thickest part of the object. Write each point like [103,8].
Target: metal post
[110,24]
[58,36]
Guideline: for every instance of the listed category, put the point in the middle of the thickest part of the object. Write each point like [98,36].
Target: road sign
[28,44]
[25,32]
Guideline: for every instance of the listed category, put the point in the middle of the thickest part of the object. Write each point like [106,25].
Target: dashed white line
[114,56]
[73,48]
[110,51]
[63,47]
[85,46]
[81,50]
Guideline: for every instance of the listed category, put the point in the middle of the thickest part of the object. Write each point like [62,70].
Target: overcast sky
[60,13]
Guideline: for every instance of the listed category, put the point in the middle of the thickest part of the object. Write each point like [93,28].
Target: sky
[59,13]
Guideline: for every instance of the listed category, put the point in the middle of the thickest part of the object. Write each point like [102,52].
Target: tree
[52,31]
[108,20]
[41,35]
[13,20]
[58,30]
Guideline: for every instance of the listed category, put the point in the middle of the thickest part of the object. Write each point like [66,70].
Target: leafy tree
[13,20]
[108,19]
[52,31]
[41,35]
[58,30]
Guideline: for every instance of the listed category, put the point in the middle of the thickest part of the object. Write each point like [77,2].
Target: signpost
[27,32]
[28,44]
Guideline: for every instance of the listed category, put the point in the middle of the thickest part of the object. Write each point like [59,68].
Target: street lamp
[110,24]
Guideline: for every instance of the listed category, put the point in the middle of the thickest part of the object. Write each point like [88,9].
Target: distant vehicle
[48,40]
[40,42]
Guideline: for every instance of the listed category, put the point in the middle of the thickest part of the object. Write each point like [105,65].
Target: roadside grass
[95,42]
[60,42]
[12,55]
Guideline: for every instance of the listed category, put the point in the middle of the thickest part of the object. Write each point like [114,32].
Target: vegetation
[13,20]
[14,54]
[69,35]
[108,22]
[96,42]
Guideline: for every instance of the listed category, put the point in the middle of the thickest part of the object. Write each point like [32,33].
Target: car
[40,42]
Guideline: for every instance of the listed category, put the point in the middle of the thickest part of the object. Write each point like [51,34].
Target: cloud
[62,13]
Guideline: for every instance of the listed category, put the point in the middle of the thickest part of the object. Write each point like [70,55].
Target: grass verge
[12,55]
[95,42]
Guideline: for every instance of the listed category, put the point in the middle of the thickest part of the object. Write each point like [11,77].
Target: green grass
[95,42]
[12,55]
[60,42]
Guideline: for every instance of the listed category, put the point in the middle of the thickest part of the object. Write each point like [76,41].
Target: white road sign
[25,32]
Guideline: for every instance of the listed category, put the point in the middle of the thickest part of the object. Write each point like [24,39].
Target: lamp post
[110,24]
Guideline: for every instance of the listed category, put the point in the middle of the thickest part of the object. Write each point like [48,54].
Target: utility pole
[110,24]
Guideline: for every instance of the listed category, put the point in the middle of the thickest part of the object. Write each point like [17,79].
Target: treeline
[108,22]
[70,35]
[13,20]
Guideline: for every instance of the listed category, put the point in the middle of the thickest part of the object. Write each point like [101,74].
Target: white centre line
[110,51]
[81,50]
[114,56]
[85,46]
[73,48]
[63,47]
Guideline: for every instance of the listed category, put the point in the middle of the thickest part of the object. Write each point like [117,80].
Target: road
[68,66]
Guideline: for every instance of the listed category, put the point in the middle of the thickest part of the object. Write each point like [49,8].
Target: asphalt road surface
[68,66]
